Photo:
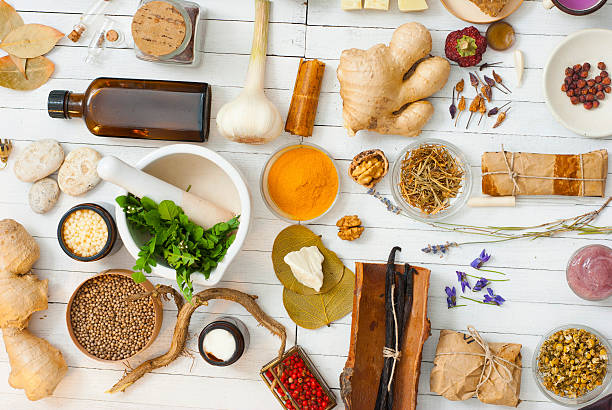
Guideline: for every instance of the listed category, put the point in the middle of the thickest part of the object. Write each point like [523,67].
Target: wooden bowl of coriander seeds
[104,325]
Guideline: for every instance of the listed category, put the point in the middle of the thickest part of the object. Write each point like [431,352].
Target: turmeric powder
[303,183]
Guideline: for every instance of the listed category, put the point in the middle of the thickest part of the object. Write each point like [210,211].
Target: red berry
[601,65]
[608,89]
[588,105]
[586,66]
[604,74]
[595,104]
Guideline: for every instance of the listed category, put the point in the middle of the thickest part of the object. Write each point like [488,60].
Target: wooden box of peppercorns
[296,383]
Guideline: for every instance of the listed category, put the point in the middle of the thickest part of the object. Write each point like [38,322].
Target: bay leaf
[31,40]
[20,63]
[38,71]
[315,311]
[294,238]
[9,19]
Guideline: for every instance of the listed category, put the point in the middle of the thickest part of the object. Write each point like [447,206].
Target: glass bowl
[455,204]
[589,397]
[571,261]
[263,182]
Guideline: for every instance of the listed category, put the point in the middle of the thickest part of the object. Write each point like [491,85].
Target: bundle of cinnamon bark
[305,99]
[519,173]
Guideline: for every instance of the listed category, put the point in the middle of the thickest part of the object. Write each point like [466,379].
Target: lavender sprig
[441,248]
[391,207]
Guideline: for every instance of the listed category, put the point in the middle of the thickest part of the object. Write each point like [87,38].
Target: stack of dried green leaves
[430,178]
[306,307]
[24,68]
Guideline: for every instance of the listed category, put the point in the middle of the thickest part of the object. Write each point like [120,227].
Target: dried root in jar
[369,167]
[349,227]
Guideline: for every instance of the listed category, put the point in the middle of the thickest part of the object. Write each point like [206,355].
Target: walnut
[369,167]
[349,227]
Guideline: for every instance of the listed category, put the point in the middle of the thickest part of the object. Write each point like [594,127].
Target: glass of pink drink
[589,272]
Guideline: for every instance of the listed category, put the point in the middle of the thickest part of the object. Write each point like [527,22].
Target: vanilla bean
[382,397]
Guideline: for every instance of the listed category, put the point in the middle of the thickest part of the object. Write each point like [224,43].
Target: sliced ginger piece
[351,4]
[376,4]
[412,5]
[374,93]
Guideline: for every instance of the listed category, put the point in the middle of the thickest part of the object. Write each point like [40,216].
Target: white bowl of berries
[578,83]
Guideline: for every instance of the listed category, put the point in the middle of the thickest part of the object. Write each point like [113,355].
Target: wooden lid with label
[158,28]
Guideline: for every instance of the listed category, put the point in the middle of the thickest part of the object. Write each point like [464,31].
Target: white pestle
[198,210]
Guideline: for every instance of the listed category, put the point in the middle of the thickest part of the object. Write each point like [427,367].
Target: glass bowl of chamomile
[571,365]
[431,180]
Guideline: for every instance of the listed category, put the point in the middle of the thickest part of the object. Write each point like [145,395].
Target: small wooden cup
[157,306]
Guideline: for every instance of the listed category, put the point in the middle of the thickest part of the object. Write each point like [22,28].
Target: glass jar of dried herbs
[431,180]
[571,364]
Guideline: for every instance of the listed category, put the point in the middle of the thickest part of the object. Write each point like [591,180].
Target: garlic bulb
[306,265]
[252,118]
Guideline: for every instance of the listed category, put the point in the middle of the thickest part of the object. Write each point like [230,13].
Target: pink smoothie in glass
[589,272]
[579,4]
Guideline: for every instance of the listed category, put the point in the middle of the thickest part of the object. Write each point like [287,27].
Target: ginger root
[185,310]
[36,366]
[382,87]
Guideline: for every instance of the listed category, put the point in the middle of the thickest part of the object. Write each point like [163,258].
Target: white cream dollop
[220,343]
[306,265]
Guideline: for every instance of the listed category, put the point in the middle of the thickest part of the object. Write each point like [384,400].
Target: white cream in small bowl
[207,175]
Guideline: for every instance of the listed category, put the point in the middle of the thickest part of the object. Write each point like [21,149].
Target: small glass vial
[88,19]
[179,16]
[148,109]
[223,341]
[108,34]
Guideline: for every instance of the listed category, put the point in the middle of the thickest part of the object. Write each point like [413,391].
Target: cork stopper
[158,28]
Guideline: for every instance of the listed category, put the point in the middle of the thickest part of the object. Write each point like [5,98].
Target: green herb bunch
[187,247]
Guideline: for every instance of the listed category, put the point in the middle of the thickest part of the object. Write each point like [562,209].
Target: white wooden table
[538,296]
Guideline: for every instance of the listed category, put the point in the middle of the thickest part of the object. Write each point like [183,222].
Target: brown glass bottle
[151,109]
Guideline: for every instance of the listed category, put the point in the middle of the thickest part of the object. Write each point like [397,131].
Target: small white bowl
[592,46]
[133,239]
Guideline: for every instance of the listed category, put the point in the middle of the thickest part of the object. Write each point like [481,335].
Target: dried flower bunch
[430,178]
[24,68]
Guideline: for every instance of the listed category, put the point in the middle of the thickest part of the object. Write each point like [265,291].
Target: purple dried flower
[480,285]
[480,260]
[451,297]
[442,248]
[492,298]
[461,276]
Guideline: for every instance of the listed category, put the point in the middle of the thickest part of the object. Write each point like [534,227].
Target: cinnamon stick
[305,99]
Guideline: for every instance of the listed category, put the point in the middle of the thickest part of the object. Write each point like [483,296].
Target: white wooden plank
[290,11]
[529,19]
[218,36]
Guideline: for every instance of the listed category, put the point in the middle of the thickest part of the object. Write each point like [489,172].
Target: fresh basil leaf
[148,203]
[122,201]
[138,277]
[168,210]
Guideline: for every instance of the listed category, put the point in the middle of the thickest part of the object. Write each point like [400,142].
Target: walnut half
[369,167]
[349,227]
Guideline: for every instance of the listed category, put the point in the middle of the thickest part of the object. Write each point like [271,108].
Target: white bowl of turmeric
[300,182]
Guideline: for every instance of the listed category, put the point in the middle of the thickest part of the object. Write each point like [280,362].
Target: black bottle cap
[56,105]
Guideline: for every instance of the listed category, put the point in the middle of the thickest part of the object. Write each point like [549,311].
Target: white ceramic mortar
[162,269]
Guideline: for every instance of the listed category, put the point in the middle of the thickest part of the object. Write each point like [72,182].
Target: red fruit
[472,55]
[598,79]
[590,97]
[601,65]
[600,95]
[604,74]
[591,83]
[582,98]
[608,89]
[588,105]
[595,104]
[574,100]
[584,74]
[569,71]
[606,81]
[576,77]
[577,67]
[586,66]
[600,87]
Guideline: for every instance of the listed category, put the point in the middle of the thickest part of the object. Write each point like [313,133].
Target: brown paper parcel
[520,173]
[458,367]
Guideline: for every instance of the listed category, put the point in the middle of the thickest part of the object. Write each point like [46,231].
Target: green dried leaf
[9,19]
[295,238]
[31,40]
[38,71]
[315,311]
